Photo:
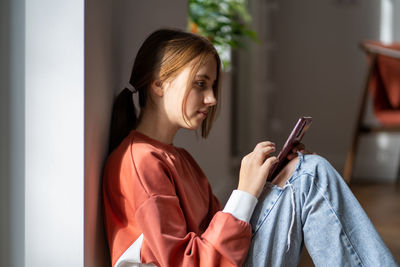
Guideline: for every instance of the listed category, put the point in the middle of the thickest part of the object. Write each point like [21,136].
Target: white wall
[42,140]
[42,133]
[54,93]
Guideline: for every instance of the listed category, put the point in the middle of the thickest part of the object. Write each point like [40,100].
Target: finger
[263,144]
[292,156]
[269,162]
[263,153]
[299,147]
[268,148]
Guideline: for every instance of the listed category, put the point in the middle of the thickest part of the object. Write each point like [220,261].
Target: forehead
[207,68]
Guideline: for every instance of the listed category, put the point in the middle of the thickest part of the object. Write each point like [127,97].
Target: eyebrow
[205,76]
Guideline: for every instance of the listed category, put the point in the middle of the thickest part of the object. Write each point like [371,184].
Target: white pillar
[386,23]
[54,95]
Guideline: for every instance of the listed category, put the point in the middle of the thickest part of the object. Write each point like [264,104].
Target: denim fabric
[316,209]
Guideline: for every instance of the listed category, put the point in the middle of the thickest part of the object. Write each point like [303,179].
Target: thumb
[269,162]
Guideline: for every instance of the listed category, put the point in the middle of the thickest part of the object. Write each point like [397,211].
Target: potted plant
[226,23]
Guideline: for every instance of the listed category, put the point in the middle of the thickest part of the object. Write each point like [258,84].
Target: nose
[209,98]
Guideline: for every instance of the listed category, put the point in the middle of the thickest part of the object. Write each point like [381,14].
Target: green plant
[224,22]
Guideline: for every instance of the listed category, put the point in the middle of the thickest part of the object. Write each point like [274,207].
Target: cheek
[173,100]
[193,101]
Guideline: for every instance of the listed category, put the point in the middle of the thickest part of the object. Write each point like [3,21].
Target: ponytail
[123,118]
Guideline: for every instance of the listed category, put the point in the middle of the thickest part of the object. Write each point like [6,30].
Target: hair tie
[131,88]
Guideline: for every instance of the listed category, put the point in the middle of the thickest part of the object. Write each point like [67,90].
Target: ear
[157,88]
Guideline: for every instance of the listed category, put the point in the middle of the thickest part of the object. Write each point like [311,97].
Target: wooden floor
[382,204]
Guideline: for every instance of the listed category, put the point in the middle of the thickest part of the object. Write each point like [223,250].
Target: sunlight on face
[200,97]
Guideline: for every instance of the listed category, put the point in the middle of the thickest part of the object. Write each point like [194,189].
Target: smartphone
[293,140]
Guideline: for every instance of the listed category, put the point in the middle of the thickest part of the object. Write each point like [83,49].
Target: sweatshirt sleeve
[167,241]
[241,205]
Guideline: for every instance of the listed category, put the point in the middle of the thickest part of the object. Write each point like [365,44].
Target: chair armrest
[370,47]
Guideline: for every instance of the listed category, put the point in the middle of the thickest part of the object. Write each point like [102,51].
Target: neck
[156,127]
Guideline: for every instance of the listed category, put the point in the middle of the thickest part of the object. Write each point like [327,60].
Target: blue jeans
[316,209]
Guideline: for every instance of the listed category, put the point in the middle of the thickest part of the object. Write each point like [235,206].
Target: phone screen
[293,140]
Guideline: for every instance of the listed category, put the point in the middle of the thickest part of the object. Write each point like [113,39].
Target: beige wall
[318,70]
[99,85]
[114,31]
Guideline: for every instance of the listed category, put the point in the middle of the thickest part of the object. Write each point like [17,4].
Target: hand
[255,167]
[300,147]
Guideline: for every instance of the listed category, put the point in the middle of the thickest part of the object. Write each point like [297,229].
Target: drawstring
[301,157]
[293,214]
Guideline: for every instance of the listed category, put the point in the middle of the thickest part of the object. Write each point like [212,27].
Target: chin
[193,128]
[194,125]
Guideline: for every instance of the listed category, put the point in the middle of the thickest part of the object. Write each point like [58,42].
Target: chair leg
[351,155]
[350,160]
[398,176]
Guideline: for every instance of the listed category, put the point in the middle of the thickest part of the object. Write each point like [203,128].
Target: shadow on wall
[113,32]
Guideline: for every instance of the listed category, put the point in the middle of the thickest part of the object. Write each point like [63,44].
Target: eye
[200,84]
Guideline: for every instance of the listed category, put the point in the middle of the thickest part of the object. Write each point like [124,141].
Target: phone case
[293,140]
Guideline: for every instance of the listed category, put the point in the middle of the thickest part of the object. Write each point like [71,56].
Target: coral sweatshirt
[156,193]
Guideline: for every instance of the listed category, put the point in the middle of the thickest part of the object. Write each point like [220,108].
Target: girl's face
[199,99]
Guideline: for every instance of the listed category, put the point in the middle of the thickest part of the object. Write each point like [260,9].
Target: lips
[204,112]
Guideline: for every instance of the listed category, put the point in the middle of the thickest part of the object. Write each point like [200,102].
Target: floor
[382,204]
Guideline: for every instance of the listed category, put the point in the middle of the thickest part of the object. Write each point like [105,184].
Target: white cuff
[241,205]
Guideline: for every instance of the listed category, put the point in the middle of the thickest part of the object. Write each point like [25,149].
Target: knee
[319,167]
[315,160]
[286,173]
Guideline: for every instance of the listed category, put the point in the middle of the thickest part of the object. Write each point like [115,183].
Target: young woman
[159,207]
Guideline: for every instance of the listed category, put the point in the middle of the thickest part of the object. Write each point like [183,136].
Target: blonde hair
[162,56]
